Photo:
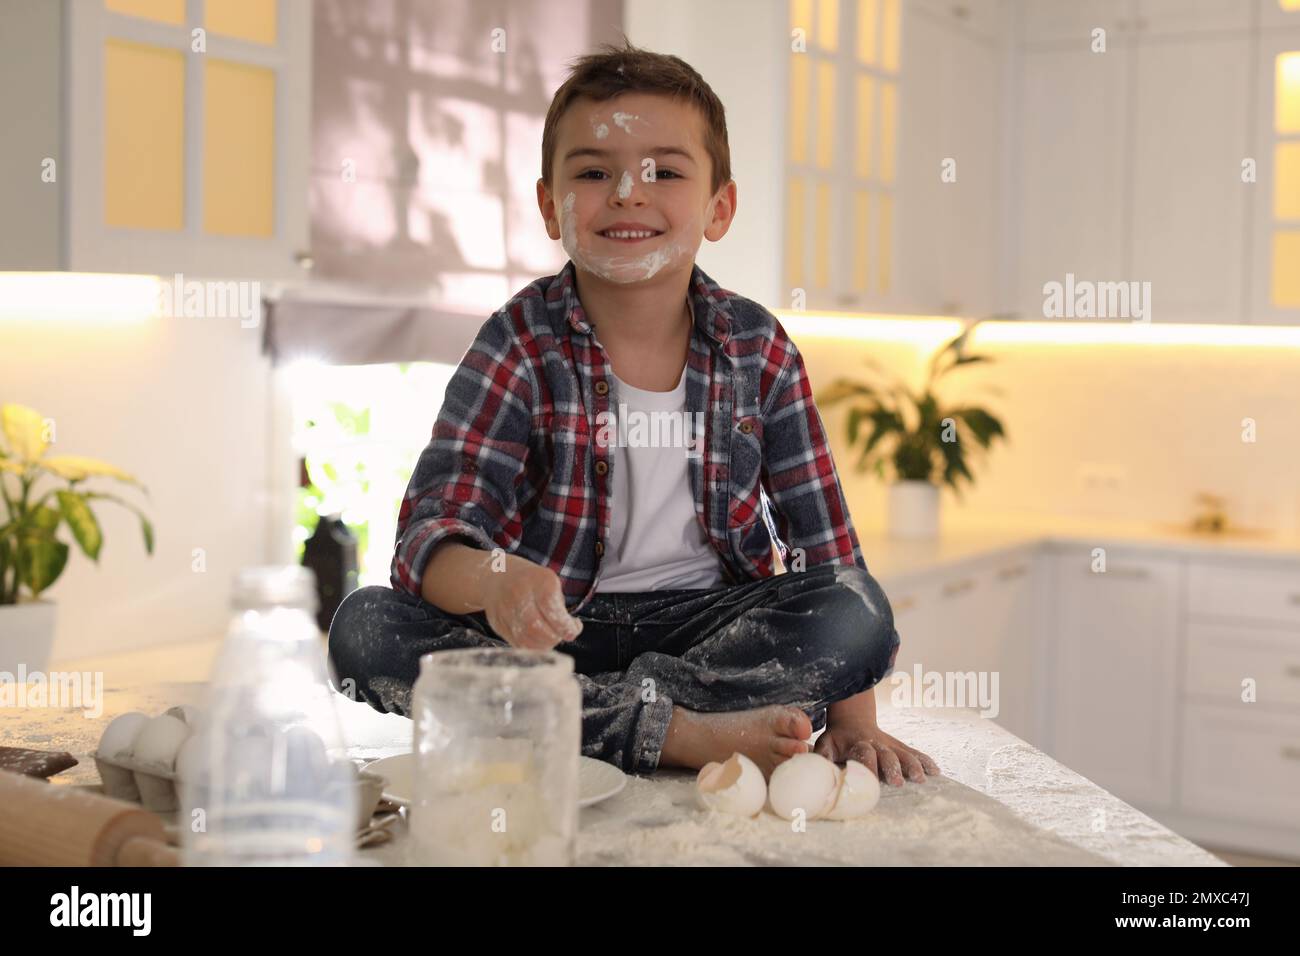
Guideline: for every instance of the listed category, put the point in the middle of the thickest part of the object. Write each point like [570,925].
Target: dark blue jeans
[808,638]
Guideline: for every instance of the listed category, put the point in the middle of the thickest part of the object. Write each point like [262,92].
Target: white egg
[158,743]
[119,736]
[807,782]
[736,786]
[858,795]
[187,757]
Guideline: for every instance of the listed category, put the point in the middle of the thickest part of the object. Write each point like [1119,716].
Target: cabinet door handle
[1120,572]
[1014,571]
[957,587]
[904,604]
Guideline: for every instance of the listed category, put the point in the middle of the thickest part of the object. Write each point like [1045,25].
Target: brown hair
[604,75]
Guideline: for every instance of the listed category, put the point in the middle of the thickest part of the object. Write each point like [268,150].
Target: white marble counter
[1000,802]
[961,540]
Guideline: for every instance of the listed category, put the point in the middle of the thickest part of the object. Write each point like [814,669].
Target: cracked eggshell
[735,786]
[807,782]
[858,794]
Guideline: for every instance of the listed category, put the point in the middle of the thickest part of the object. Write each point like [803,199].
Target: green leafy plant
[338,473]
[914,431]
[31,554]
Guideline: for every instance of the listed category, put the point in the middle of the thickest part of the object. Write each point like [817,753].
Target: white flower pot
[913,510]
[26,635]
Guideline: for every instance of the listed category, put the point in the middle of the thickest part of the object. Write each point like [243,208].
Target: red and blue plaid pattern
[512,462]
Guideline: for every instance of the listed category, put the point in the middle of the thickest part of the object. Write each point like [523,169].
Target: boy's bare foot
[767,735]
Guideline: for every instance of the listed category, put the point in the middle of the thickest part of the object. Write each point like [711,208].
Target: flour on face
[624,121]
[622,269]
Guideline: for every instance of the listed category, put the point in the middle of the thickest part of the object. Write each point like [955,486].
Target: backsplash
[1150,425]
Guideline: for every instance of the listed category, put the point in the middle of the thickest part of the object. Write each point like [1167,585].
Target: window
[358,430]
[151,84]
[842,148]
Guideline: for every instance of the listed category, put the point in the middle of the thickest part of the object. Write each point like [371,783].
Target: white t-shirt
[656,541]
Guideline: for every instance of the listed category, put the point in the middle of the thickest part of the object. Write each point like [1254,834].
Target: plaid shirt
[517,459]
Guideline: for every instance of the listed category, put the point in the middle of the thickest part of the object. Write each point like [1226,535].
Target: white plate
[597,780]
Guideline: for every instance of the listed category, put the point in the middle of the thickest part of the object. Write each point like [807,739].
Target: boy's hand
[525,605]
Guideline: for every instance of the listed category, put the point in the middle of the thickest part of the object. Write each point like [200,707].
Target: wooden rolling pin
[46,824]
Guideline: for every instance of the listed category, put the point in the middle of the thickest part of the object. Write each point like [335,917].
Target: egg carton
[155,784]
[151,782]
[157,790]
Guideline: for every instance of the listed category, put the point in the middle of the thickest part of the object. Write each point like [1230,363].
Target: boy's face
[636,162]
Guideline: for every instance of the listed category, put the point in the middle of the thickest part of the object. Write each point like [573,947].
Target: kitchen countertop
[960,540]
[1000,801]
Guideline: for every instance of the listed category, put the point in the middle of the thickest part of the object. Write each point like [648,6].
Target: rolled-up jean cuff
[651,731]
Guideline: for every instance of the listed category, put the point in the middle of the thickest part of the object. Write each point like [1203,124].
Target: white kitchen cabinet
[1070,22]
[977,619]
[986,19]
[1177,17]
[1187,215]
[1274,274]
[1131,160]
[1274,16]
[915,604]
[1242,764]
[1224,660]
[1240,746]
[1007,615]
[1115,671]
[951,111]
[1133,676]
[172,138]
[1246,591]
[1071,160]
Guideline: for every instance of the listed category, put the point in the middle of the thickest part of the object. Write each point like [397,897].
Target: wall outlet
[1102,477]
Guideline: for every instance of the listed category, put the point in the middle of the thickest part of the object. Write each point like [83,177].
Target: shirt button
[746,426]
[601,467]
[600,548]
[602,388]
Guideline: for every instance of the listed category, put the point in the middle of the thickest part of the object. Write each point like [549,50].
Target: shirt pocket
[746,474]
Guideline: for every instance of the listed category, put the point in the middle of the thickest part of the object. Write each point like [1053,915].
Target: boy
[530,522]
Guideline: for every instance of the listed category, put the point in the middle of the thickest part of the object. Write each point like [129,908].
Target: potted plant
[926,441]
[31,555]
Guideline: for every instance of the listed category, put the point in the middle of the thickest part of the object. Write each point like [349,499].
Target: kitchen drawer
[1241,764]
[1261,592]
[1220,656]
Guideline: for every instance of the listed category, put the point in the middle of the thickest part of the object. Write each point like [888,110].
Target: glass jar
[265,781]
[498,732]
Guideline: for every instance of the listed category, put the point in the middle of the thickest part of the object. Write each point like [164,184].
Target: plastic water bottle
[267,781]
